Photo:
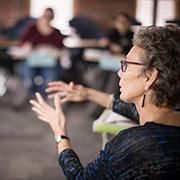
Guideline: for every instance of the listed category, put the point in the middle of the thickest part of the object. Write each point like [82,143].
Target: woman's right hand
[67,92]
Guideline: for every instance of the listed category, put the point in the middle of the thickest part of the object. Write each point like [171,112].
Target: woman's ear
[151,77]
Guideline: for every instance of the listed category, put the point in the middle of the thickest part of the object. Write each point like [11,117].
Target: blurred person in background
[149,78]
[119,38]
[41,43]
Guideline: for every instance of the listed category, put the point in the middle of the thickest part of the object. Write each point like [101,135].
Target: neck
[44,27]
[163,115]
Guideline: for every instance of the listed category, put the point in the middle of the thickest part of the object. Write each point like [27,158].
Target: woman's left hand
[53,116]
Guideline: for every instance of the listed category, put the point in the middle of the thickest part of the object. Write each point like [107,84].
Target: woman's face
[132,84]
[47,16]
[122,24]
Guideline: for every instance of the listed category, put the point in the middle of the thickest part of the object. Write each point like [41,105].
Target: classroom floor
[28,150]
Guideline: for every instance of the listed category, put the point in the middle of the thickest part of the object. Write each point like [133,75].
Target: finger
[36,104]
[54,88]
[40,99]
[57,83]
[42,118]
[64,100]
[61,94]
[71,84]
[51,96]
[38,111]
[67,98]
[57,104]
[72,98]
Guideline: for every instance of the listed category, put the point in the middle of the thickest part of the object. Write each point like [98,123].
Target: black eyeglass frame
[125,63]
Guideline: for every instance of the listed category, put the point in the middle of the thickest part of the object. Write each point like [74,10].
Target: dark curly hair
[162,51]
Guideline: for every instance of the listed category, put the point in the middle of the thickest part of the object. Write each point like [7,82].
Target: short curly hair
[162,51]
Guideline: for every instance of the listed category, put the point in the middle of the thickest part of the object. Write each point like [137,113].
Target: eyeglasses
[125,63]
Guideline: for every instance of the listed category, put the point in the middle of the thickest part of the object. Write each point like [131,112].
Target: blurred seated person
[41,42]
[119,38]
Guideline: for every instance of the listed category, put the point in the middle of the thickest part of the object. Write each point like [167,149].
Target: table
[73,42]
[111,123]
[106,60]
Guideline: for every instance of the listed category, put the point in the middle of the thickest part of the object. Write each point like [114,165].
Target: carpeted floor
[28,150]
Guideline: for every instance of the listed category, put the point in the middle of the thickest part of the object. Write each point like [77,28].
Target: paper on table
[109,116]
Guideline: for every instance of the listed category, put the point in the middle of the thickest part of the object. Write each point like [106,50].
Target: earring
[143,101]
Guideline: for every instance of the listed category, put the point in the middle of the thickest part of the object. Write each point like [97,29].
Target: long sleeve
[27,35]
[150,151]
[126,109]
[73,169]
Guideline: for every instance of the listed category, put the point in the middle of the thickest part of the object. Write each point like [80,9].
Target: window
[63,10]
[144,12]
[165,11]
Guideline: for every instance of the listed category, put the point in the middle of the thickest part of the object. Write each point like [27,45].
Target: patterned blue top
[151,151]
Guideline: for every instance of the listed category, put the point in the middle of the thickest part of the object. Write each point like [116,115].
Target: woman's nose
[120,73]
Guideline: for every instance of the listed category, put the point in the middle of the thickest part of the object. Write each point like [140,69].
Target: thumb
[71,85]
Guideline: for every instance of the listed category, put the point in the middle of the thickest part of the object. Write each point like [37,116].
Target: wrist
[59,131]
[88,93]
[61,138]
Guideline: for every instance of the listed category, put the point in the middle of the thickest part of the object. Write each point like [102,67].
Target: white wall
[63,12]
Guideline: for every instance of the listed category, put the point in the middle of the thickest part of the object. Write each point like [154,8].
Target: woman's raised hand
[67,92]
[53,116]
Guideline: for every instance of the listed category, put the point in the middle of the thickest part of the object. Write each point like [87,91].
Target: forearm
[73,169]
[65,144]
[101,98]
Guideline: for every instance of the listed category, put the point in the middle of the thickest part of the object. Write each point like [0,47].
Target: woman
[119,38]
[149,78]
[41,43]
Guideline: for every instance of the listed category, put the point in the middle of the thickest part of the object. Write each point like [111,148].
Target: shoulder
[113,31]
[145,137]
[57,32]
[32,26]
[143,147]
[127,139]
[31,29]
[130,33]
